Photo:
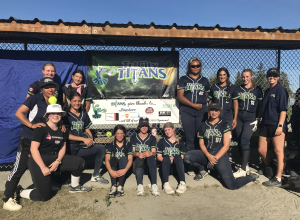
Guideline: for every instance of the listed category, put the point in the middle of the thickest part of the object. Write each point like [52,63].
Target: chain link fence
[235,60]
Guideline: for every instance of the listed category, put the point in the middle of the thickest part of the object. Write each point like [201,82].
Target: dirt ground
[208,202]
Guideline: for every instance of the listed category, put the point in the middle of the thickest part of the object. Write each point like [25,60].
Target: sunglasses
[271,75]
[195,66]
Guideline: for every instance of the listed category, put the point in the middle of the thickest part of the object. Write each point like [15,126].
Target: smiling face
[119,135]
[54,117]
[48,90]
[144,129]
[247,78]
[77,78]
[272,79]
[214,113]
[169,132]
[75,102]
[49,71]
[222,76]
[195,67]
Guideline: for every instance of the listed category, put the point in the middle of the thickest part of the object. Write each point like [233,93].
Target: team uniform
[219,94]
[248,103]
[146,164]
[35,88]
[37,108]
[85,95]
[168,149]
[275,101]
[194,91]
[120,153]
[213,141]
[50,143]
[77,126]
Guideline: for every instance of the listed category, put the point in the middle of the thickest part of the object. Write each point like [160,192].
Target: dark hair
[116,128]
[72,96]
[80,72]
[227,81]
[138,127]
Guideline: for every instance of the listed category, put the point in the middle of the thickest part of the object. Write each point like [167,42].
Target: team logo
[48,80]
[31,89]
[164,113]
[97,110]
[149,110]
[272,95]
[48,137]
[57,142]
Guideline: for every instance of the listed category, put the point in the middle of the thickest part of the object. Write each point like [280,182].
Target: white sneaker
[168,189]
[11,205]
[154,190]
[181,187]
[240,173]
[247,170]
[140,190]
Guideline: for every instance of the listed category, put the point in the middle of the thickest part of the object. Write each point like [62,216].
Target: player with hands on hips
[214,139]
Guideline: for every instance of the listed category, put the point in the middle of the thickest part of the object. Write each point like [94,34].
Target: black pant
[244,129]
[122,163]
[19,168]
[167,168]
[43,192]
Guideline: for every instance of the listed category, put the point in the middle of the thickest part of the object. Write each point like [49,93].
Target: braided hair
[122,128]
[228,83]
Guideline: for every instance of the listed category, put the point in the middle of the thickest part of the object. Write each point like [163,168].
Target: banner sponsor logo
[97,110]
[149,110]
[112,116]
[169,106]
[164,113]
[127,110]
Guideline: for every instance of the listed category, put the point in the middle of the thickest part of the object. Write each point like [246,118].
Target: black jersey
[248,98]
[166,148]
[219,94]
[119,150]
[213,134]
[143,145]
[49,139]
[275,100]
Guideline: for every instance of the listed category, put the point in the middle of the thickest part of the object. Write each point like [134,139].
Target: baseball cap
[144,122]
[273,71]
[215,105]
[55,108]
[46,81]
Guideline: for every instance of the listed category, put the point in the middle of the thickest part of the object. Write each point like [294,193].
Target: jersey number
[218,140]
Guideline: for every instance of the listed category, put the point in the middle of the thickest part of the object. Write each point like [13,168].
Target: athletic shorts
[269,130]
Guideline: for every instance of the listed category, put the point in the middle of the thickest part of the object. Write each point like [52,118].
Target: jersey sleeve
[207,86]
[129,148]
[133,140]
[283,99]
[159,148]
[181,84]
[225,127]
[33,89]
[109,148]
[88,96]
[30,102]
[211,93]
[182,147]
[66,122]
[153,142]
[200,132]
[65,137]
[38,134]
[234,92]
[260,94]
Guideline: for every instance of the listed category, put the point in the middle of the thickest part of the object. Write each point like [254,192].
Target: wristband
[59,161]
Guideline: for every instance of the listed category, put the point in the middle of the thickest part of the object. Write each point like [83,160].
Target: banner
[128,111]
[115,74]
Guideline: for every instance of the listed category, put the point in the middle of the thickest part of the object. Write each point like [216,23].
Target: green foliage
[260,78]
[238,80]
[213,80]
[284,81]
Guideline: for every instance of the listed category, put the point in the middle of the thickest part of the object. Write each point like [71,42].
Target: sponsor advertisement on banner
[127,74]
[115,111]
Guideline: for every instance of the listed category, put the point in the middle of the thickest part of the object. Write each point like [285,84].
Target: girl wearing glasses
[118,160]
[274,126]
[192,92]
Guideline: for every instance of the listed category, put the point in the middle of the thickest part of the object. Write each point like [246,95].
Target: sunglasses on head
[195,66]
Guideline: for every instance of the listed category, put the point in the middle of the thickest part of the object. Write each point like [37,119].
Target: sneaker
[269,172]
[181,187]
[154,190]
[113,191]
[11,205]
[240,173]
[140,190]
[120,191]
[247,170]
[168,189]
[99,179]
[201,175]
[254,175]
[79,188]
[272,182]
[191,173]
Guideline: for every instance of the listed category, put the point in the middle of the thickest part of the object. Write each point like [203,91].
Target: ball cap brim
[273,71]
[215,105]
[55,108]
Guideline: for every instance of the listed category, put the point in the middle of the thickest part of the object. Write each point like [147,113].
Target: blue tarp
[18,69]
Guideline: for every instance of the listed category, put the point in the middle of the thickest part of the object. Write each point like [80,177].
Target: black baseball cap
[215,105]
[273,71]
[46,81]
[144,122]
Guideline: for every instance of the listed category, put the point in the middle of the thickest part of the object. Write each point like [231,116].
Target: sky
[226,13]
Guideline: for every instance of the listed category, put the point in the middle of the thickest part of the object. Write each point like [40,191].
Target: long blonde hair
[252,81]
[170,125]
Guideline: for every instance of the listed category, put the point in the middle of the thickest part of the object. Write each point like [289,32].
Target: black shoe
[79,188]
[200,176]
[272,183]
[254,175]
[269,172]
[113,191]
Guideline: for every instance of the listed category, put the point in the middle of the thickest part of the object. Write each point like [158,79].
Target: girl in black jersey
[118,160]
[48,147]
[250,99]
[214,139]
[225,93]
[170,151]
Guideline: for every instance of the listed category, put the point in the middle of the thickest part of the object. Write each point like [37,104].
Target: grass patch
[107,200]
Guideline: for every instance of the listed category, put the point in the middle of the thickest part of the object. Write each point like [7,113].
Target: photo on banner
[127,74]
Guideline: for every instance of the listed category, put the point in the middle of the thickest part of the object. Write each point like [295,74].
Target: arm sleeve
[225,127]
[207,86]
[33,89]
[234,92]
[260,94]
[129,148]
[109,148]
[283,100]
[132,141]
[88,96]
[182,147]
[38,134]
[153,142]
[159,147]
[200,133]
[181,84]
[66,122]
[87,121]
[30,102]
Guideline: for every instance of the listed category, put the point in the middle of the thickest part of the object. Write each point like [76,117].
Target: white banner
[128,111]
